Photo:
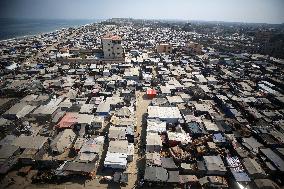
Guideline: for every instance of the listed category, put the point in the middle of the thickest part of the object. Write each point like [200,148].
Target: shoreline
[46,32]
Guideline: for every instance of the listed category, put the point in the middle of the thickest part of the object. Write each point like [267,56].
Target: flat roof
[157,174]
[164,112]
[273,157]
[79,167]
[115,158]
[214,163]
[32,142]
[153,139]
[118,146]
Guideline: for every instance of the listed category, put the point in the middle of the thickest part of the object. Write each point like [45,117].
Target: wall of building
[112,48]
[164,48]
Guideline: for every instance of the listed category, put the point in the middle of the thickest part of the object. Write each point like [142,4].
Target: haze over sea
[12,28]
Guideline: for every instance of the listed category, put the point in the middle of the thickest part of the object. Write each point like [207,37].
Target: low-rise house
[214,165]
[195,129]
[32,151]
[237,170]
[78,168]
[87,109]
[168,163]
[185,97]
[156,126]
[67,121]
[24,142]
[218,138]
[79,143]
[153,159]
[253,168]
[132,74]
[117,133]
[174,100]
[153,142]
[155,174]
[47,112]
[124,112]
[98,122]
[18,111]
[265,183]
[210,126]
[173,177]
[176,138]
[103,109]
[214,182]
[122,121]
[63,141]
[191,179]
[7,140]
[193,48]
[164,48]
[151,93]
[115,160]
[118,146]
[212,80]
[276,160]
[165,91]
[91,150]
[7,158]
[35,100]
[167,114]
[252,144]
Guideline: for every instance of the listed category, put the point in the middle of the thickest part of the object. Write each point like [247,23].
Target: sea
[17,28]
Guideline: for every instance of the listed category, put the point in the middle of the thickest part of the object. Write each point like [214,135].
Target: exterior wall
[164,48]
[112,48]
[102,113]
[153,148]
[115,166]
[169,120]
[193,48]
[97,124]
[215,172]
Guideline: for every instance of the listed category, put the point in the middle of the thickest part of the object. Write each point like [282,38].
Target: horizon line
[158,19]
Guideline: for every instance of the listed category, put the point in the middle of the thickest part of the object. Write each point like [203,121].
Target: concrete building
[112,47]
[253,168]
[154,142]
[167,114]
[214,165]
[19,110]
[115,160]
[193,48]
[63,141]
[164,48]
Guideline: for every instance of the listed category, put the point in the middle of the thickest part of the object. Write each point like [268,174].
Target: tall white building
[112,47]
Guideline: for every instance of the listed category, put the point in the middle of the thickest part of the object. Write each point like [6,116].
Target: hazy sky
[268,11]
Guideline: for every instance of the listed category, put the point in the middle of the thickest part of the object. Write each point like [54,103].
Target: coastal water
[11,28]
